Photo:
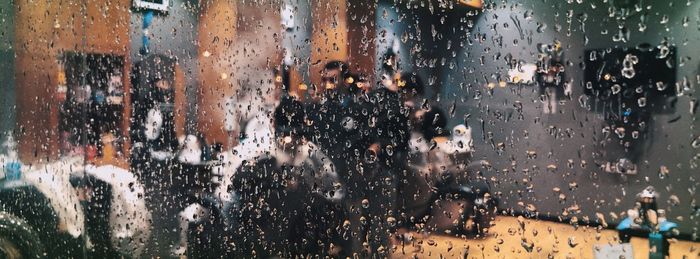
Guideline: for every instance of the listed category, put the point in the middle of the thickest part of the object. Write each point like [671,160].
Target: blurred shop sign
[158,5]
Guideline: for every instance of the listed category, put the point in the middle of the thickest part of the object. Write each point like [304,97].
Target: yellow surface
[548,238]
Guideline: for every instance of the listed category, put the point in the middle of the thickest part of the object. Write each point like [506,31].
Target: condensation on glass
[349,128]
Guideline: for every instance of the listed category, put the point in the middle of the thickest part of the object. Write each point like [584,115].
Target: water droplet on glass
[365,203]
[661,86]
[528,245]
[620,131]
[389,150]
[628,73]
[616,88]
[663,51]
[635,134]
[663,172]
[391,221]
[696,142]
[541,27]
[642,101]
[531,154]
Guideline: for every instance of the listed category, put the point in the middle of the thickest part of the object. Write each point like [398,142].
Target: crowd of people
[334,174]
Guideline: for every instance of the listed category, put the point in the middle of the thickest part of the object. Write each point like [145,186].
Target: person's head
[290,129]
[333,75]
[162,84]
[163,88]
[80,94]
[411,86]
[358,83]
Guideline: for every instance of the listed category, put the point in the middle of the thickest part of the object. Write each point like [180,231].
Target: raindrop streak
[696,142]
[642,102]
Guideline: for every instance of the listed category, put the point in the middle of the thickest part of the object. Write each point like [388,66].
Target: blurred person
[437,157]
[254,120]
[291,196]
[73,124]
[155,142]
[382,120]
[354,124]
[429,160]
[390,116]
[192,186]
[326,112]
[440,170]
[338,121]
[358,84]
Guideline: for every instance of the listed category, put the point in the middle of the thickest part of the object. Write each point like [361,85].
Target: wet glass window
[349,129]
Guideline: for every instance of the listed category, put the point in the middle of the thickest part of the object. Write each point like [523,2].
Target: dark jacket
[389,123]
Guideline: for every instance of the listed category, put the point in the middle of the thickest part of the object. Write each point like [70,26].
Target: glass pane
[349,129]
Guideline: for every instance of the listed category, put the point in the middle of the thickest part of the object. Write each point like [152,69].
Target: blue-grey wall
[479,59]
[668,143]
[7,67]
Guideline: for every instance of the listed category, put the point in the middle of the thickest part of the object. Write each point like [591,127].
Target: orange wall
[217,31]
[43,30]
[361,37]
[329,36]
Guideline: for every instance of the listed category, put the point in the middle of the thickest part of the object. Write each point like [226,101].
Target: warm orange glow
[472,3]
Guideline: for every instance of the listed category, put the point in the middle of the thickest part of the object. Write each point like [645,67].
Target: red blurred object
[91,152]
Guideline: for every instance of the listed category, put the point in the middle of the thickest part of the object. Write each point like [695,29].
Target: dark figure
[327,113]
[354,127]
[155,142]
[372,188]
[291,197]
